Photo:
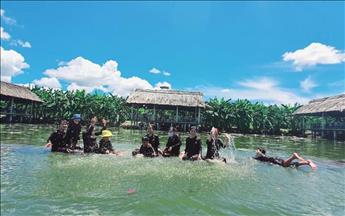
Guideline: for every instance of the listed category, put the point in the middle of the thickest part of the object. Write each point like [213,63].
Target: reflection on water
[35,181]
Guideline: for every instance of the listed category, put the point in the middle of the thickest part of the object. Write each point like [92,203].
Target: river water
[35,181]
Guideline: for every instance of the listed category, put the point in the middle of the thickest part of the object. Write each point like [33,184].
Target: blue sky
[276,52]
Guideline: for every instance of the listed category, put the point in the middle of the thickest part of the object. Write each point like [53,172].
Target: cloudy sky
[275,52]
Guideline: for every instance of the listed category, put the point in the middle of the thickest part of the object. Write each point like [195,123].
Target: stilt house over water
[165,107]
[17,102]
[332,112]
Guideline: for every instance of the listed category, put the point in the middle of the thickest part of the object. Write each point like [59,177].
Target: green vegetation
[246,117]
[60,104]
[240,116]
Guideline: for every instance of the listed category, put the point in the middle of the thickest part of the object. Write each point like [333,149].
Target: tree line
[242,116]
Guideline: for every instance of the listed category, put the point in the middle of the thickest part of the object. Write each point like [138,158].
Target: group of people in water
[66,137]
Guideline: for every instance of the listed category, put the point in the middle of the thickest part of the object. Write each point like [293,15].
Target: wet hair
[192,127]
[262,150]
[63,121]
[150,126]
[145,139]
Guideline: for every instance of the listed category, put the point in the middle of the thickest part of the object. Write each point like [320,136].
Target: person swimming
[173,145]
[146,148]
[89,136]
[193,146]
[214,143]
[289,162]
[57,140]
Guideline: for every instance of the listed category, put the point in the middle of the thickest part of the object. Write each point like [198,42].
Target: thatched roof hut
[333,106]
[9,91]
[167,98]
[185,105]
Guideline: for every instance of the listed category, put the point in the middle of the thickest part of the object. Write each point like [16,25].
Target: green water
[35,181]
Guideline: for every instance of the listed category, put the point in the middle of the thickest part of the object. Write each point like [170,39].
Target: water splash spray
[231,148]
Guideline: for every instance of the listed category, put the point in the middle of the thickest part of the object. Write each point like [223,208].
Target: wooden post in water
[154,112]
[132,117]
[11,109]
[176,117]
[303,126]
[323,125]
[31,111]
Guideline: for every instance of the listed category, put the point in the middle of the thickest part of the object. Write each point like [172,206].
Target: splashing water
[230,148]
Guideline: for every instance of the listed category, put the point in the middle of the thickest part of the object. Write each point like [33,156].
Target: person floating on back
[289,162]
[153,139]
[73,132]
[89,136]
[173,144]
[57,140]
[146,148]
[193,146]
[214,143]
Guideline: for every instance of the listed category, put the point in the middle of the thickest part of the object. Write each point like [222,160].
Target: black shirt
[58,141]
[147,151]
[154,141]
[104,146]
[213,148]
[72,134]
[89,138]
[273,160]
[193,146]
[174,142]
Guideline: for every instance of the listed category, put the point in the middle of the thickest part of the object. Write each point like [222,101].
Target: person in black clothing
[57,140]
[105,146]
[213,146]
[261,156]
[173,144]
[153,140]
[146,148]
[73,132]
[89,136]
[193,146]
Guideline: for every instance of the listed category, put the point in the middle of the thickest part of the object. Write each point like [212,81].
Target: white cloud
[49,82]
[155,71]
[84,74]
[5,19]
[165,73]
[262,83]
[314,54]
[160,84]
[12,64]
[24,44]
[4,35]
[266,90]
[307,84]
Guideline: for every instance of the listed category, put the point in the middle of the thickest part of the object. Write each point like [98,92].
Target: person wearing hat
[57,139]
[193,146]
[173,144]
[73,132]
[89,136]
[105,146]
[146,148]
